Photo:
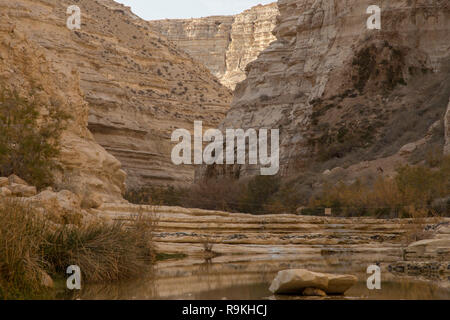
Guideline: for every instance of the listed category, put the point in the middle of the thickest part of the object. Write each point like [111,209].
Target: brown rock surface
[273,238]
[21,190]
[322,85]
[138,86]
[429,258]
[25,67]
[296,281]
[225,44]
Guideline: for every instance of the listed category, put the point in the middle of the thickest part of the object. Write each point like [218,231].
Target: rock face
[305,238]
[338,90]
[225,44]
[205,39]
[136,85]
[295,281]
[301,280]
[436,249]
[429,257]
[24,67]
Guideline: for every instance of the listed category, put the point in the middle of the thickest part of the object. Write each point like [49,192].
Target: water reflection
[249,280]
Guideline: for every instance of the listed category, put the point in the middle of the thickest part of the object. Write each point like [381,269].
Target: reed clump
[31,247]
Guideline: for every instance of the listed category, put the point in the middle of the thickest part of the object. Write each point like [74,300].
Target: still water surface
[216,282]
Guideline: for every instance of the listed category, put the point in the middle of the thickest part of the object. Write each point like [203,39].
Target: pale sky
[182,9]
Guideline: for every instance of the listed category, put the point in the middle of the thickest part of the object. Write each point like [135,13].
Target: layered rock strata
[236,249]
[338,91]
[428,257]
[139,87]
[225,44]
[447,131]
[85,167]
[181,230]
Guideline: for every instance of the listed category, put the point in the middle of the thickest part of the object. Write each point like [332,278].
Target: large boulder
[296,281]
[63,201]
[339,284]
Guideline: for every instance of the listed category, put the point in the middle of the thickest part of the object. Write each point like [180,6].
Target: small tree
[29,141]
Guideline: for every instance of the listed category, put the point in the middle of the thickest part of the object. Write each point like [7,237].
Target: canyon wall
[342,94]
[225,44]
[138,86]
[84,166]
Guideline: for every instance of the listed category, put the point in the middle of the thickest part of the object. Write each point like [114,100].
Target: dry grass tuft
[30,246]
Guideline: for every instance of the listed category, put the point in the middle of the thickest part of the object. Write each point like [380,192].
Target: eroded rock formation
[225,44]
[342,94]
[139,87]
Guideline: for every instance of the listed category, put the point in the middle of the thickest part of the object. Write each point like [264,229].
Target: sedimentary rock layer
[86,167]
[339,91]
[229,249]
[187,230]
[225,44]
[139,86]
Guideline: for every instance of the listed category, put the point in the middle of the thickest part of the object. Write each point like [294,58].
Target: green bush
[167,196]
[29,141]
[225,194]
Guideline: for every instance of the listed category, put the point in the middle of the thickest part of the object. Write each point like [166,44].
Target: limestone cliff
[139,86]
[87,168]
[342,94]
[225,44]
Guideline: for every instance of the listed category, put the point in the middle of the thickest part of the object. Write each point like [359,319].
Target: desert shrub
[31,246]
[21,265]
[216,194]
[103,251]
[29,141]
[412,193]
[257,195]
[156,195]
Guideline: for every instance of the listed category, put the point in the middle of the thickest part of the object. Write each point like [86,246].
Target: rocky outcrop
[251,250]
[24,67]
[429,257]
[301,281]
[205,39]
[225,44]
[338,91]
[62,207]
[138,88]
